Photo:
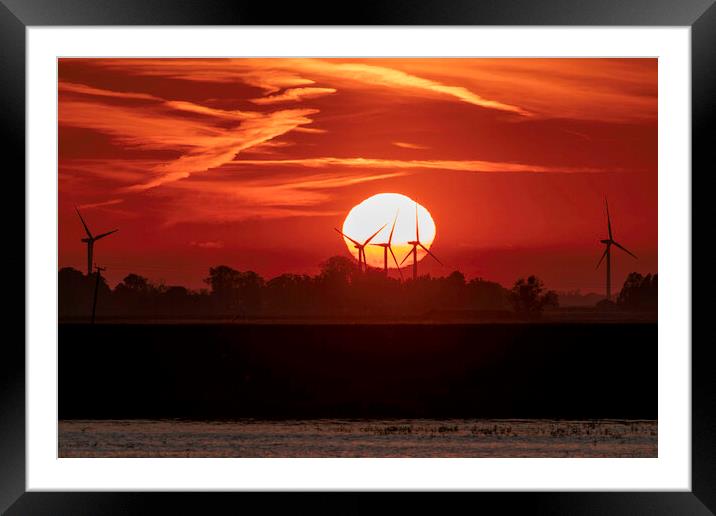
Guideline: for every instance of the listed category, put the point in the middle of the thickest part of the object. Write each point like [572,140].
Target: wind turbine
[388,247]
[90,240]
[609,242]
[362,263]
[417,243]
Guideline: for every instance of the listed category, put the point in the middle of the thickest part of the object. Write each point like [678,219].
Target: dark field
[357,438]
[232,371]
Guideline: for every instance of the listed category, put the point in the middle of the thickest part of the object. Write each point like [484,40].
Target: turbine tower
[362,263]
[90,240]
[387,247]
[96,289]
[417,243]
[609,242]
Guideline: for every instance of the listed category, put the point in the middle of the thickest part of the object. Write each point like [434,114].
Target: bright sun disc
[368,216]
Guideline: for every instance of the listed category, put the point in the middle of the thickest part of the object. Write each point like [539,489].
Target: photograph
[399,257]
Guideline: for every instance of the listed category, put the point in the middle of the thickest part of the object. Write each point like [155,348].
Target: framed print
[413,249]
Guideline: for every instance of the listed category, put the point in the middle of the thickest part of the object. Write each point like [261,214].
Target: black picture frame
[17,15]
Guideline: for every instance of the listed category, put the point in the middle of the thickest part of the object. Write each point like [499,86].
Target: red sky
[252,162]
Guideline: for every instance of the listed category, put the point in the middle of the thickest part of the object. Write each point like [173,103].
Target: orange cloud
[266,196]
[458,165]
[310,130]
[613,90]
[294,95]
[406,145]
[203,144]
[100,204]
[83,89]
[273,74]
[260,73]
[392,78]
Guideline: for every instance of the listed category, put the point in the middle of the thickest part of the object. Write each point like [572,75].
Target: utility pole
[96,288]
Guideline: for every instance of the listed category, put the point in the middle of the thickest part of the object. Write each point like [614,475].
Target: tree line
[340,289]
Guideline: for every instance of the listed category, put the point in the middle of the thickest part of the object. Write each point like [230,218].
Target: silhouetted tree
[76,292]
[250,287]
[135,283]
[333,282]
[235,292]
[452,290]
[290,294]
[135,295]
[528,297]
[486,295]
[639,293]
[339,269]
[223,281]
[340,289]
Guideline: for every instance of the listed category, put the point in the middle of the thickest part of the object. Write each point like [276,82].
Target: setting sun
[381,209]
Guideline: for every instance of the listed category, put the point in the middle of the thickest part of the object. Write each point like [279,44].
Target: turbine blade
[602,258]
[83,223]
[406,257]
[400,271]
[390,238]
[346,236]
[609,219]
[624,249]
[373,235]
[105,234]
[431,254]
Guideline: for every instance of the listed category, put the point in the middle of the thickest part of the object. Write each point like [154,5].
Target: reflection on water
[358,438]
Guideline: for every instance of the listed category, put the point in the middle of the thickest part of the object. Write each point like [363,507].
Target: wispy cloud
[294,95]
[393,78]
[264,196]
[272,75]
[82,89]
[414,146]
[310,130]
[110,202]
[458,165]
[612,90]
[202,143]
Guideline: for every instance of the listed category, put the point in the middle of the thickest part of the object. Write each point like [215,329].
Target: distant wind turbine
[417,243]
[609,242]
[387,247]
[90,240]
[362,263]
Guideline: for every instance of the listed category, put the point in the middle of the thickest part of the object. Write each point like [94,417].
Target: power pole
[96,288]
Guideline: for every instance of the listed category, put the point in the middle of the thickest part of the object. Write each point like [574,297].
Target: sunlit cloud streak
[83,89]
[110,202]
[264,196]
[272,75]
[610,90]
[294,95]
[414,146]
[392,78]
[203,144]
[457,165]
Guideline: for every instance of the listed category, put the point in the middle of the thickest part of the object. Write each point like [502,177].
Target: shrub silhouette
[639,293]
[528,297]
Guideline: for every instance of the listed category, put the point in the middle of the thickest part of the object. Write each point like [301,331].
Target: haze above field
[252,162]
